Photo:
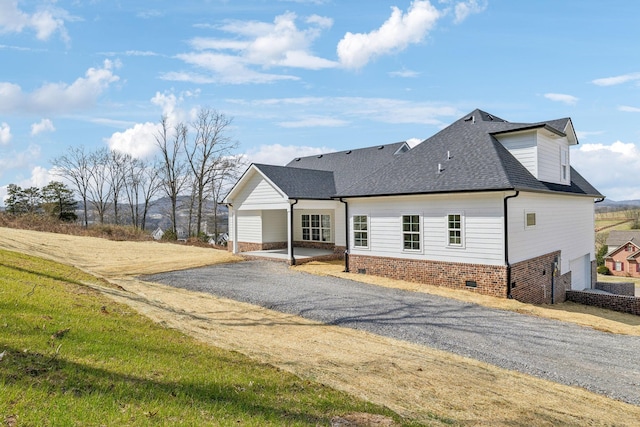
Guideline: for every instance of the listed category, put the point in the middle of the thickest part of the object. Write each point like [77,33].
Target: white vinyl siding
[541,152]
[564,223]
[249,226]
[483,226]
[258,193]
[523,146]
[274,226]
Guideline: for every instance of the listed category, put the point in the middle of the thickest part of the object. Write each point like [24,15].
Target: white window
[530,219]
[361,231]
[316,227]
[618,266]
[411,232]
[455,230]
[564,163]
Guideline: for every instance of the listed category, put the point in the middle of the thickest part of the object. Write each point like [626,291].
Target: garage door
[580,273]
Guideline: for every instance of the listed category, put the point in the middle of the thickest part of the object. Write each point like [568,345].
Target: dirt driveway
[434,386]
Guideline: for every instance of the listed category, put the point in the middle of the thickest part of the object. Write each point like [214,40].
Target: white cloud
[59,97]
[18,159]
[396,34]
[45,125]
[629,109]
[314,122]
[45,22]
[280,155]
[5,133]
[464,9]
[383,110]
[616,80]
[561,97]
[585,134]
[404,73]
[255,46]
[138,141]
[608,168]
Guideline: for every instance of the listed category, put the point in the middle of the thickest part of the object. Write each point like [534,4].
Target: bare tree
[207,152]
[172,164]
[116,164]
[99,189]
[75,167]
[142,183]
[223,177]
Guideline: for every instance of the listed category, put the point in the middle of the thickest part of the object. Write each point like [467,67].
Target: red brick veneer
[490,279]
[531,280]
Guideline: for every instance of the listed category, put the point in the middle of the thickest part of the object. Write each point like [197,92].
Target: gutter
[506,241]
[600,200]
[346,230]
[291,255]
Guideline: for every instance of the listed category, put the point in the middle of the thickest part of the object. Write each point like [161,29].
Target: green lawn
[72,357]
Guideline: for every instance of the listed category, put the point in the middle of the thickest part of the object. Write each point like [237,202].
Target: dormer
[543,148]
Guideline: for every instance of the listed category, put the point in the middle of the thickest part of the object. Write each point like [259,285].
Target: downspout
[291,255]
[506,241]
[346,230]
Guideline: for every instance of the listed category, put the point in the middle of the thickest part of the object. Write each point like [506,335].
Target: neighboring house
[623,258]
[157,233]
[485,205]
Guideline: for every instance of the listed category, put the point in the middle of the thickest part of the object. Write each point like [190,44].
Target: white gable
[545,154]
[254,192]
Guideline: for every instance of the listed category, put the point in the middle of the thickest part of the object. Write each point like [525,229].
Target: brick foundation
[249,246]
[531,280]
[488,279]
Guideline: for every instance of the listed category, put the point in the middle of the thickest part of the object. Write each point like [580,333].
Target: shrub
[170,236]
[603,269]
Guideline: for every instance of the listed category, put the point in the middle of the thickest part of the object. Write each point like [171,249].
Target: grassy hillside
[70,356]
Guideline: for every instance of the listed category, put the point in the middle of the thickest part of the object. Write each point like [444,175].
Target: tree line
[194,159]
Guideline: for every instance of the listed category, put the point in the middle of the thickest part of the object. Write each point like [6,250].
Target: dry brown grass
[52,225]
[597,318]
[432,386]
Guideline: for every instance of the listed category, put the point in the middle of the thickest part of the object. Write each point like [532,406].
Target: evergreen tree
[59,202]
[23,201]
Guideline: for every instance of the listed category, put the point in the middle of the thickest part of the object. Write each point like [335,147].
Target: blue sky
[300,77]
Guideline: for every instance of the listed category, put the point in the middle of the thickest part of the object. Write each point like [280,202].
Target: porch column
[234,227]
[292,258]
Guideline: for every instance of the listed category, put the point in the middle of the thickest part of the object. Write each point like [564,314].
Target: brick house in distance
[485,205]
[623,256]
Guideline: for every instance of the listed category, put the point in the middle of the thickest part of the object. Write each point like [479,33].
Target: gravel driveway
[604,363]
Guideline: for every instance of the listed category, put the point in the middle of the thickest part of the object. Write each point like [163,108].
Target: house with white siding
[485,205]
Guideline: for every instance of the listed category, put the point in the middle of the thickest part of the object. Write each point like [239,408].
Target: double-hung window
[455,230]
[360,231]
[411,232]
[316,227]
[564,163]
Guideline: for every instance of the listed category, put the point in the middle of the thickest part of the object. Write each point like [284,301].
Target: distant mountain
[617,205]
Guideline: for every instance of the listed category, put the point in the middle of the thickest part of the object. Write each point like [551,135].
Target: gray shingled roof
[620,237]
[299,183]
[470,158]
[463,157]
[352,165]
